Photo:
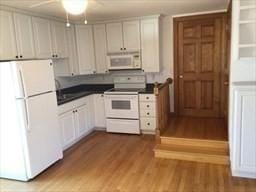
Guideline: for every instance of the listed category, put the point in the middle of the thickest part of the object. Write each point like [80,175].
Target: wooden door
[199,66]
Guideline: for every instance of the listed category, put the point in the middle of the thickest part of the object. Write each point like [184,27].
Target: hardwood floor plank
[126,163]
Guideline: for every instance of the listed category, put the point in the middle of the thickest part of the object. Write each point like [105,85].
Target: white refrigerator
[30,134]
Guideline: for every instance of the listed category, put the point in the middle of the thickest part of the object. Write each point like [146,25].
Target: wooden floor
[113,162]
[197,128]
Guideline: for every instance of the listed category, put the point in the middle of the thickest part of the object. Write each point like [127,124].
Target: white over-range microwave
[119,61]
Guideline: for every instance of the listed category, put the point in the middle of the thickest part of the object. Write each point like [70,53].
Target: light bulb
[75,7]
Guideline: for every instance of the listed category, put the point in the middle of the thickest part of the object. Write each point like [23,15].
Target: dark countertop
[79,91]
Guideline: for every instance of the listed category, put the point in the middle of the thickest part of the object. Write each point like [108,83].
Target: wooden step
[192,153]
[195,142]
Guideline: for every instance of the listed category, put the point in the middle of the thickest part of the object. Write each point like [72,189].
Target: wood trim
[176,21]
[162,94]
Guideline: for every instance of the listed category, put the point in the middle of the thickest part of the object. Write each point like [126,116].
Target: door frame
[176,20]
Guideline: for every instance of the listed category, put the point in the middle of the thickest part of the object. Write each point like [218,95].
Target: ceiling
[115,9]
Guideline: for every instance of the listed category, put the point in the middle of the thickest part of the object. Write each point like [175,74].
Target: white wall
[166,56]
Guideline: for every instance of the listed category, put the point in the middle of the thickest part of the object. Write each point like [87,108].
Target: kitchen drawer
[147,105]
[148,124]
[123,126]
[147,97]
[147,113]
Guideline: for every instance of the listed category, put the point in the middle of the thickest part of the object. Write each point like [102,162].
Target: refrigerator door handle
[27,116]
[22,82]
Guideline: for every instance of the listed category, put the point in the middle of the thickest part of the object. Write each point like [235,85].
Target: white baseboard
[243,174]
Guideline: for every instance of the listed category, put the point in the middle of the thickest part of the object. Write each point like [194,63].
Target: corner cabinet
[244,130]
[100,41]
[85,49]
[150,45]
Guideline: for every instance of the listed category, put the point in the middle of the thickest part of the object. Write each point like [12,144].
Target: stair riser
[196,143]
[203,158]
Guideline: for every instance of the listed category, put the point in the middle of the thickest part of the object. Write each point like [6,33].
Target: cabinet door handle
[147,106]
[53,55]
[21,56]
[148,113]
[17,56]
[56,55]
[148,123]
[121,49]
[147,97]
[124,48]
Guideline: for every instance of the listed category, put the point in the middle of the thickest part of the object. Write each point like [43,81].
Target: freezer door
[43,142]
[34,77]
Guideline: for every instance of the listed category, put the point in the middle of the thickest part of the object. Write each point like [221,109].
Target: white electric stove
[122,104]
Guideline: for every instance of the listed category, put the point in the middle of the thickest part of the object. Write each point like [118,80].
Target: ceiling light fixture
[75,7]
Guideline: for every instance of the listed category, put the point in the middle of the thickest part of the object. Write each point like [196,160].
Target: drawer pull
[148,123]
[147,97]
[147,106]
[148,113]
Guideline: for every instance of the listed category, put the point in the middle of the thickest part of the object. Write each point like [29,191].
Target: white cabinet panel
[59,39]
[85,49]
[100,40]
[82,121]
[150,45]
[131,34]
[67,123]
[24,36]
[42,34]
[114,37]
[99,110]
[8,48]
[244,125]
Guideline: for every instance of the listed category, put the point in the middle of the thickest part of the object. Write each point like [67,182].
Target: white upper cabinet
[100,41]
[24,36]
[131,35]
[123,36]
[43,40]
[115,37]
[59,40]
[150,45]
[85,49]
[8,48]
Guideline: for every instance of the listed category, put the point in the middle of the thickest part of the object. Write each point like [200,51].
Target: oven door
[122,106]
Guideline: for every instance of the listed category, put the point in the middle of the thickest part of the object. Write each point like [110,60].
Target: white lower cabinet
[76,120]
[147,113]
[243,129]
[68,128]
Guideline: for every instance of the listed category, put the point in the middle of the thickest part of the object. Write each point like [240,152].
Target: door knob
[181,76]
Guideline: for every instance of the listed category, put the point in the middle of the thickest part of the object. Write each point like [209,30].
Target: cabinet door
[8,48]
[131,35]
[114,37]
[24,36]
[82,120]
[85,49]
[99,109]
[100,40]
[244,127]
[59,39]
[42,35]
[67,123]
[72,51]
[150,45]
